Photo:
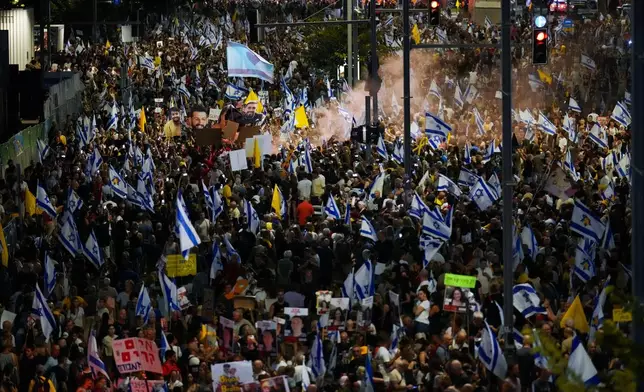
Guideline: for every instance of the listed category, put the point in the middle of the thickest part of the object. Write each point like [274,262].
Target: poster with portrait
[229,377]
[367,312]
[296,323]
[394,307]
[323,301]
[227,332]
[457,290]
[339,310]
[267,336]
[274,384]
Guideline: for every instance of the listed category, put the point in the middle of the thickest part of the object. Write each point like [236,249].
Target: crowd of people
[286,256]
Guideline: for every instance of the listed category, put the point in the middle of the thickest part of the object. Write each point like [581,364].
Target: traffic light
[540,46]
[434,13]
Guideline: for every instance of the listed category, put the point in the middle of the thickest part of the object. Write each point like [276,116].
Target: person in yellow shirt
[317,186]
[40,382]
[173,127]
[227,192]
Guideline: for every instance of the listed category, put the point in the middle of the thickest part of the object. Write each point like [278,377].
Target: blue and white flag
[581,365]
[569,165]
[573,105]
[68,236]
[117,184]
[41,310]
[74,202]
[217,203]
[94,360]
[399,152]
[598,136]
[438,228]
[331,209]
[585,259]
[94,162]
[597,320]
[467,178]
[528,239]
[447,185]
[495,184]
[252,217]
[624,167]
[317,364]
[608,241]
[113,118]
[546,125]
[621,114]
[245,63]
[369,385]
[143,304]
[188,237]
[430,248]
[235,93]
[569,126]
[169,290]
[467,153]
[164,347]
[526,300]
[216,265]
[489,151]
[436,126]
[490,353]
[588,62]
[92,251]
[207,197]
[43,150]
[434,90]
[49,274]
[478,119]
[229,247]
[347,214]
[418,207]
[367,230]
[585,223]
[347,288]
[459,98]
[43,202]
[308,162]
[381,148]
[483,195]
[364,284]
[146,62]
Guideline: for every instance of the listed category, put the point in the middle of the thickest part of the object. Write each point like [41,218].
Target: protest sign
[135,355]
[177,265]
[228,377]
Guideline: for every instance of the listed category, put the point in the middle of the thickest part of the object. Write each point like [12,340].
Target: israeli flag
[489,152]
[588,62]
[43,202]
[585,223]
[418,207]
[50,275]
[234,93]
[245,63]
[347,288]
[143,304]
[207,197]
[580,364]
[430,248]
[447,185]
[608,242]
[467,154]
[546,125]
[367,230]
[573,105]
[169,290]
[467,177]
[74,202]
[490,353]
[483,195]
[526,300]
[569,126]
[368,374]
[347,214]
[318,367]
[597,320]
[479,121]
[146,62]
[488,23]
[165,345]
[188,237]
[621,114]
[399,152]
[229,247]
[436,227]
[217,203]
[252,217]
[495,184]
[627,98]
[585,259]
[459,98]
[117,184]
[41,310]
[94,360]
[434,90]
[68,236]
[43,150]
[331,209]
[94,162]
[598,136]
[528,239]
[216,264]
[113,118]
[624,167]
[92,251]
[436,126]
[381,148]
[363,281]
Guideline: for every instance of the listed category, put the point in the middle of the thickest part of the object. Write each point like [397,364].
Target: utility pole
[375,80]
[637,165]
[348,16]
[407,87]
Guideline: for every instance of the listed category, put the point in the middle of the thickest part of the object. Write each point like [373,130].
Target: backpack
[41,384]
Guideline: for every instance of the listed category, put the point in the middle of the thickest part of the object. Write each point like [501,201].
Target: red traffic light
[434,4]
[541,36]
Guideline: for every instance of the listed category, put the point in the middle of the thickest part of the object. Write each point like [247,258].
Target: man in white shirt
[304,188]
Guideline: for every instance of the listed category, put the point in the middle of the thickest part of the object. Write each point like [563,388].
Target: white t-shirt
[304,189]
[423,317]
[383,354]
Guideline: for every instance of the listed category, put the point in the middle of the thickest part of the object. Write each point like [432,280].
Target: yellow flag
[30,203]
[576,313]
[108,45]
[458,4]
[545,77]
[276,203]
[257,153]
[5,251]
[142,120]
[252,97]
[415,34]
[301,120]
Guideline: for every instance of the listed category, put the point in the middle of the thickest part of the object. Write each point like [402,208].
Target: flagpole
[406,88]
[508,179]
